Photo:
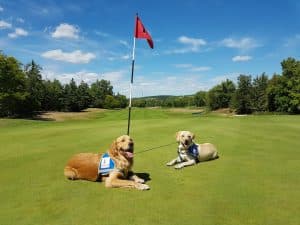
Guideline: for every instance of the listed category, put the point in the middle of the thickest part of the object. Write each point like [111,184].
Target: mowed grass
[256,180]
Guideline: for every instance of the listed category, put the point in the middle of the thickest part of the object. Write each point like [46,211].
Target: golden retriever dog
[189,153]
[113,167]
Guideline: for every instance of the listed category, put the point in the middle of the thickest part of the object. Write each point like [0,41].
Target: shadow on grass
[145,176]
[40,117]
[206,161]
[33,116]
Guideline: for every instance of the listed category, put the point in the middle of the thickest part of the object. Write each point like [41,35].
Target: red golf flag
[140,32]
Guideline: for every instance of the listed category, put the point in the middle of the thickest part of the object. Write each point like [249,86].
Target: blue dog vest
[193,150]
[106,165]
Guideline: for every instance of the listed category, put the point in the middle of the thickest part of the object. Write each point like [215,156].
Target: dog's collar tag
[106,165]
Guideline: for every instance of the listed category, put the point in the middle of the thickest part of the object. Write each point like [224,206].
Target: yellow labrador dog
[189,153]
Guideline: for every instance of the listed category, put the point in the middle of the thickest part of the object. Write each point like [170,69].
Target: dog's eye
[189,136]
[182,135]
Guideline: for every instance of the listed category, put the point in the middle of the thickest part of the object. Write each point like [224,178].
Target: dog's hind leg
[215,155]
[71,173]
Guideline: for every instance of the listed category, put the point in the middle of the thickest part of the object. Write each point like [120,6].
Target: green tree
[200,98]
[259,95]
[99,91]
[12,86]
[123,102]
[221,95]
[139,103]
[70,99]
[110,102]
[284,90]
[84,97]
[52,95]
[277,96]
[35,88]
[243,95]
[291,80]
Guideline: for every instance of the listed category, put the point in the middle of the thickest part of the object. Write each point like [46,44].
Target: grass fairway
[256,180]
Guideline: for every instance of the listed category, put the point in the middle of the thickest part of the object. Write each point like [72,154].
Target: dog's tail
[71,173]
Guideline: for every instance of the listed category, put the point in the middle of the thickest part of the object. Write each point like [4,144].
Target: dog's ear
[114,149]
[178,136]
[193,136]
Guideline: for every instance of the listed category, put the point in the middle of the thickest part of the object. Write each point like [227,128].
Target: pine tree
[35,88]
[259,95]
[243,95]
[84,97]
[52,96]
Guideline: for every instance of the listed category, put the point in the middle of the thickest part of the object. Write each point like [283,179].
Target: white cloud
[4,25]
[191,45]
[18,32]
[183,65]
[193,68]
[292,42]
[219,79]
[64,78]
[242,44]
[143,85]
[125,43]
[116,78]
[76,57]
[20,20]
[113,76]
[125,57]
[119,57]
[241,58]
[200,68]
[194,42]
[65,30]
[169,85]
[101,34]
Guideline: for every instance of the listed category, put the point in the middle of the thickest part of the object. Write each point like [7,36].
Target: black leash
[150,149]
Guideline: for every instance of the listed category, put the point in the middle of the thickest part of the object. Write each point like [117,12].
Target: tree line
[280,93]
[23,92]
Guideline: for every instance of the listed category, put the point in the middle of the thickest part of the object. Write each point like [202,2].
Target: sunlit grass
[255,180]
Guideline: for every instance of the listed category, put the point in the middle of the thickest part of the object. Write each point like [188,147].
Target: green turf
[256,180]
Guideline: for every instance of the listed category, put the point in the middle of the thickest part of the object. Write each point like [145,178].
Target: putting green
[255,180]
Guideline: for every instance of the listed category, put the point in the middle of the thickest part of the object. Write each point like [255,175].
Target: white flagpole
[130,87]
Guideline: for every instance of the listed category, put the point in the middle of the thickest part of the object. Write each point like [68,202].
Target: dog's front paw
[142,187]
[171,163]
[178,166]
[140,180]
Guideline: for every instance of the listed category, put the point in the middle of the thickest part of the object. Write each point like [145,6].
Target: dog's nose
[186,142]
[130,144]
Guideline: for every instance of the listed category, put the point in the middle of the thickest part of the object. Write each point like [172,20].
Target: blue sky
[197,44]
